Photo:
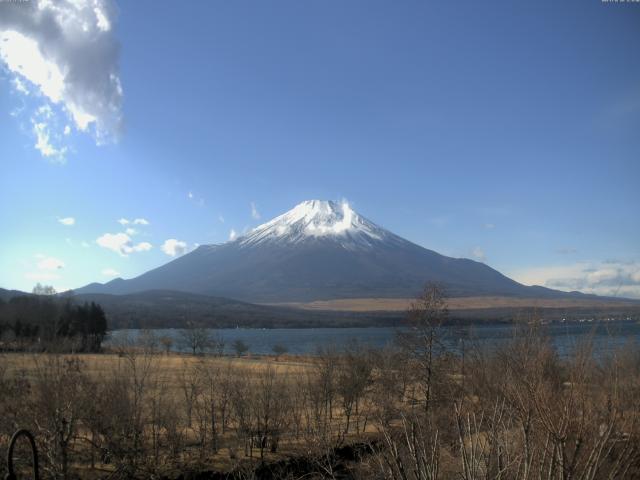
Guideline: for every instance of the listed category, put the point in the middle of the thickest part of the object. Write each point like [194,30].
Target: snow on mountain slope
[318,219]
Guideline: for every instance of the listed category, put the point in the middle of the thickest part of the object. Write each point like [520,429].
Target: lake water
[299,341]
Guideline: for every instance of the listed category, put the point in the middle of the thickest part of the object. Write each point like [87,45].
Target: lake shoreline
[307,341]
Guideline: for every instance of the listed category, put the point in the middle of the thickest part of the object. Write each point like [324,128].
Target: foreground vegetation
[411,412]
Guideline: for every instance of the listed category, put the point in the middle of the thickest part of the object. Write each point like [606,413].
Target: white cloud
[478,254]
[121,243]
[173,247]
[48,142]
[254,211]
[65,51]
[137,221]
[85,244]
[609,278]
[142,247]
[110,272]
[131,231]
[20,86]
[118,242]
[220,218]
[198,201]
[489,226]
[68,221]
[23,56]
[48,268]
[49,263]
[233,235]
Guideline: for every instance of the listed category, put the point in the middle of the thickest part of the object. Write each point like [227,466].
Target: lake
[303,341]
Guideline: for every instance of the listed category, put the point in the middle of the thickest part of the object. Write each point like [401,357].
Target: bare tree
[353,377]
[190,385]
[240,347]
[40,289]
[279,350]
[57,409]
[166,342]
[425,316]
[195,338]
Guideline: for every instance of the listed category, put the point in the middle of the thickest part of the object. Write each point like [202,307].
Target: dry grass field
[172,365]
[459,303]
[417,412]
[192,412]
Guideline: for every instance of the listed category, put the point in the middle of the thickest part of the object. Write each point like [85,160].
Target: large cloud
[67,52]
[610,278]
[121,243]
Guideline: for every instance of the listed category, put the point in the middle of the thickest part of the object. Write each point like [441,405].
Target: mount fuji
[320,250]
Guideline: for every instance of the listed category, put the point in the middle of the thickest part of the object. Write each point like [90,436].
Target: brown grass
[97,365]
[461,303]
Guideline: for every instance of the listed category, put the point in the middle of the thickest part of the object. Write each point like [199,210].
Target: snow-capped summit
[314,219]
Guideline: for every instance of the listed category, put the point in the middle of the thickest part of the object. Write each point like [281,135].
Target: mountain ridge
[321,250]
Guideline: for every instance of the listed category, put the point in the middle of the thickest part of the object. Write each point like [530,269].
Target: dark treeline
[40,321]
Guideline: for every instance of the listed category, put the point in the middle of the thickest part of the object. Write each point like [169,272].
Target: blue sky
[504,131]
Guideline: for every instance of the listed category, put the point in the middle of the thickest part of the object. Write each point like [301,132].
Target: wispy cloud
[67,221]
[255,214]
[48,139]
[66,53]
[20,86]
[233,235]
[41,276]
[48,269]
[478,254]
[50,263]
[195,199]
[110,272]
[610,278]
[137,221]
[174,247]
